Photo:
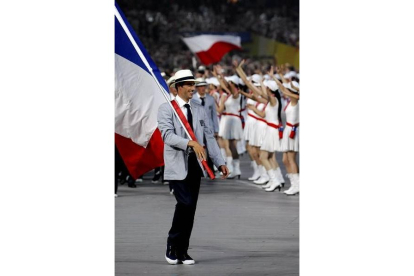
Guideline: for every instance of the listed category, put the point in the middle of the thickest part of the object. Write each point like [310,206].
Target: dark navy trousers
[186,193]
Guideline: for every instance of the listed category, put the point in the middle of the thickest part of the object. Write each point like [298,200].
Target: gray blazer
[175,140]
[210,107]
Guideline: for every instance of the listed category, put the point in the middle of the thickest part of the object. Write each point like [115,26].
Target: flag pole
[141,55]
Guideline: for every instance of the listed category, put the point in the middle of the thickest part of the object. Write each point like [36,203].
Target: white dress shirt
[181,104]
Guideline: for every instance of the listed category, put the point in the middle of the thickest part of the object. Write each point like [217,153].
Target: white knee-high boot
[274,183]
[295,188]
[229,163]
[264,178]
[291,182]
[236,166]
[269,184]
[256,173]
[279,176]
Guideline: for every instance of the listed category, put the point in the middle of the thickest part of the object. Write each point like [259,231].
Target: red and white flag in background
[138,94]
[211,48]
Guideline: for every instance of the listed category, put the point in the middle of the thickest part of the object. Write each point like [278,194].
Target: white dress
[250,122]
[271,141]
[230,123]
[259,129]
[292,118]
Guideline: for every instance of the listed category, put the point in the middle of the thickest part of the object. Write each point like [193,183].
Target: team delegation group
[246,114]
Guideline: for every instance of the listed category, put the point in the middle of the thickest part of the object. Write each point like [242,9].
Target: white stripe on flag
[202,43]
[136,102]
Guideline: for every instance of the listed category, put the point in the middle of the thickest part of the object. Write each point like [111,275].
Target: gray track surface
[239,229]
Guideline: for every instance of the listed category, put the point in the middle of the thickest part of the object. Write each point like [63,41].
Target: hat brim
[186,79]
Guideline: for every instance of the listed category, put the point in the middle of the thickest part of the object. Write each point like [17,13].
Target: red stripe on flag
[216,52]
[140,160]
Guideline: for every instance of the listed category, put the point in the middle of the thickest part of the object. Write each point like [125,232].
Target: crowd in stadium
[160,24]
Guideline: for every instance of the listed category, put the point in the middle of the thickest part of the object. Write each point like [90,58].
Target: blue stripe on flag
[124,48]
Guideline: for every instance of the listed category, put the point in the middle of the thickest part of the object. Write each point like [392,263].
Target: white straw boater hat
[256,78]
[234,79]
[271,84]
[288,86]
[201,82]
[214,81]
[170,81]
[184,75]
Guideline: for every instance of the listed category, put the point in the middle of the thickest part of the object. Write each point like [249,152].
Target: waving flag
[211,48]
[138,94]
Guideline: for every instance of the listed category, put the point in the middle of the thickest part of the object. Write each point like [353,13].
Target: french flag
[138,94]
[211,48]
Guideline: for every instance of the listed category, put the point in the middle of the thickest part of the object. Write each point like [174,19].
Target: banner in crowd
[266,47]
[211,48]
[138,84]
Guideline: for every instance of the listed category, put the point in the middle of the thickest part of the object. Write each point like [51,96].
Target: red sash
[286,106]
[190,131]
[278,127]
[231,114]
[257,118]
[293,130]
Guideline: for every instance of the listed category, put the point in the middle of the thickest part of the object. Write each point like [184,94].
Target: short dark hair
[179,84]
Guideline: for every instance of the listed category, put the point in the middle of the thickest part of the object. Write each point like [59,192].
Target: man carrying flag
[182,159]
[141,93]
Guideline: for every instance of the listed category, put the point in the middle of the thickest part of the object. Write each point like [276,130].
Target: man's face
[186,91]
[201,90]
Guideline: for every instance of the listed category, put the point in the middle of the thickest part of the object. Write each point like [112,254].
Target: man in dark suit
[182,158]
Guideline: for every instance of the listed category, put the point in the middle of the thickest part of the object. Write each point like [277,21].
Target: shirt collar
[181,102]
[205,95]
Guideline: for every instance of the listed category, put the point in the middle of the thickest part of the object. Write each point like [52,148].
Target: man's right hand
[198,149]
[224,170]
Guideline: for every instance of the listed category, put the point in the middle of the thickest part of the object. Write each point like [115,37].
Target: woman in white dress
[230,128]
[248,132]
[254,133]
[272,138]
[290,141]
